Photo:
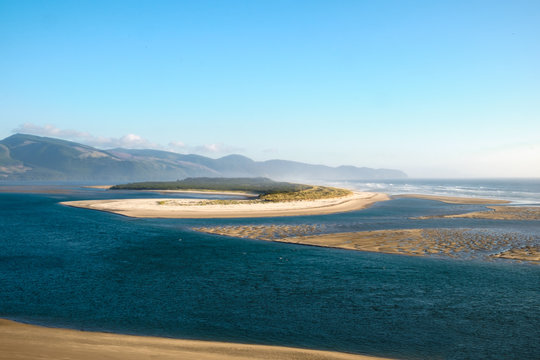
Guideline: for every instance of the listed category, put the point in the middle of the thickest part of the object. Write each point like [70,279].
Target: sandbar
[453,243]
[25,342]
[201,208]
[503,213]
[453,199]
[528,253]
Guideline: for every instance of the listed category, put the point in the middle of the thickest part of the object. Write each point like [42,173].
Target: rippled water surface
[91,270]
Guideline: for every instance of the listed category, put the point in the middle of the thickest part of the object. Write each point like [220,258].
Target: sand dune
[30,342]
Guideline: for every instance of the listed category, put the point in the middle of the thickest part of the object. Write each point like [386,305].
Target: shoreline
[198,209]
[453,199]
[24,341]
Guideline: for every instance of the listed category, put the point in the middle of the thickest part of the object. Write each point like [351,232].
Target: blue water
[83,269]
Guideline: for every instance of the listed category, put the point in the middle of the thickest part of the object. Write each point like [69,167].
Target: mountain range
[30,157]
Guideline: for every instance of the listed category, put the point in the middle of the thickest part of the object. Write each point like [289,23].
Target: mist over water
[519,191]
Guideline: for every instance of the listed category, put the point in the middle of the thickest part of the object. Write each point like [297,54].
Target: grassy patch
[268,190]
[312,193]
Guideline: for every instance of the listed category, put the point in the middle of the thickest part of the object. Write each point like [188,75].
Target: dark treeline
[257,185]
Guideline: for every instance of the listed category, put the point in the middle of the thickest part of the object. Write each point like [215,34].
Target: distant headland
[28,157]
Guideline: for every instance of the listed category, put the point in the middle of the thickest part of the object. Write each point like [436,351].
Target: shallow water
[91,270]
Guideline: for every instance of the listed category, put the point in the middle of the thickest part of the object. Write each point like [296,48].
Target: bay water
[90,270]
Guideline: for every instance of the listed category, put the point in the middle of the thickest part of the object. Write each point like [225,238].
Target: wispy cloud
[218,148]
[177,146]
[130,141]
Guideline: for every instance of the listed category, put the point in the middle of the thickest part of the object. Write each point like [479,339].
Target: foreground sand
[200,208]
[455,243]
[453,199]
[21,341]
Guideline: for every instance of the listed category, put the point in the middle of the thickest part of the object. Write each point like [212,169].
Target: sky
[434,88]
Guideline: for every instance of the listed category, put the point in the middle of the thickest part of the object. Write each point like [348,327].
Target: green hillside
[29,157]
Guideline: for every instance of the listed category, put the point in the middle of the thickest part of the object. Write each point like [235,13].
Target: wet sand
[503,213]
[528,253]
[453,199]
[201,208]
[29,342]
[454,243]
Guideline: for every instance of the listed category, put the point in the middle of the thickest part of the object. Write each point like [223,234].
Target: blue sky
[435,88]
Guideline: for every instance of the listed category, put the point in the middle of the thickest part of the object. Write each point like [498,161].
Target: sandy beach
[30,342]
[201,208]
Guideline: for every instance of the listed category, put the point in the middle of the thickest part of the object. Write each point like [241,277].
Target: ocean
[90,270]
[519,191]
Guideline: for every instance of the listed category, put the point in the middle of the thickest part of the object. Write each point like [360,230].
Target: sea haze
[83,269]
[519,191]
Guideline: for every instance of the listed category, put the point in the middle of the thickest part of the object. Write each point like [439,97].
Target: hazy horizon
[437,90]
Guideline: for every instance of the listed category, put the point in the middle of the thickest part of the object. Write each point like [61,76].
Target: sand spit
[455,243]
[203,208]
[503,213]
[29,342]
[263,232]
[453,199]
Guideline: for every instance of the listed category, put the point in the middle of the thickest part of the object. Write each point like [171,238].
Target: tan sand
[197,208]
[463,243]
[262,232]
[528,253]
[30,342]
[452,199]
[503,213]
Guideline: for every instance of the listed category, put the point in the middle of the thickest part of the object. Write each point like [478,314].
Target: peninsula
[258,197]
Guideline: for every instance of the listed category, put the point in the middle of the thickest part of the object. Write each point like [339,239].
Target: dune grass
[311,193]
[268,190]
